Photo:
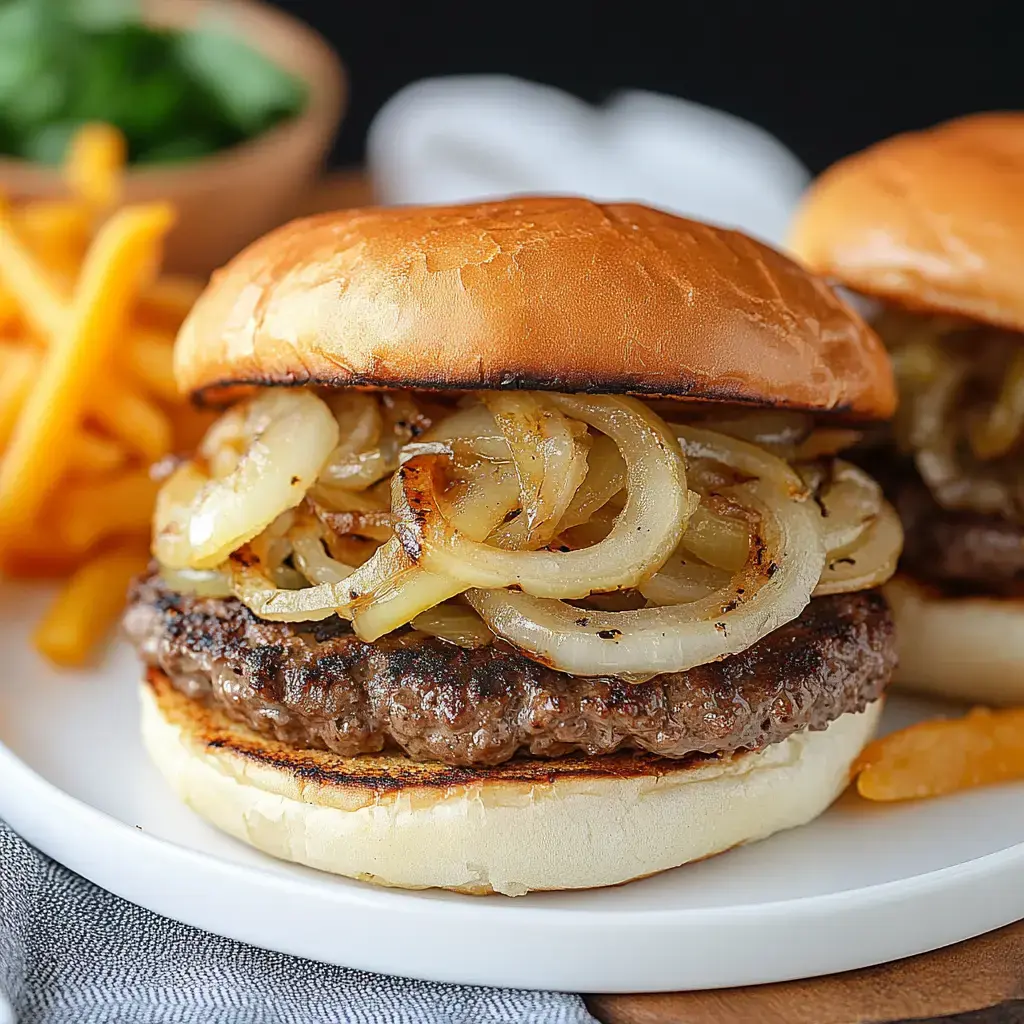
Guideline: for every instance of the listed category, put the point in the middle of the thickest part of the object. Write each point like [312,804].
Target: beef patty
[956,551]
[318,685]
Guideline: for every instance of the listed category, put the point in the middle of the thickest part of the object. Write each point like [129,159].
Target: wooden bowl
[229,198]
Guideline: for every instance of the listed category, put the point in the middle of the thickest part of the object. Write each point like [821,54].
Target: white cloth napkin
[71,953]
[464,138]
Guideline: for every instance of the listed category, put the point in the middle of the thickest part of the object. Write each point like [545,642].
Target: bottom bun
[568,823]
[968,648]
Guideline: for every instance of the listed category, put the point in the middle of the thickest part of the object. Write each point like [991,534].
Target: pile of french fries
[87,396]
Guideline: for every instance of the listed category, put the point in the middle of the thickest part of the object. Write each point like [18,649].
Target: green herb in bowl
[176,95]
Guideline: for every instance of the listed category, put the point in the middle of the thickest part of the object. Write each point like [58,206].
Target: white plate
[862,885]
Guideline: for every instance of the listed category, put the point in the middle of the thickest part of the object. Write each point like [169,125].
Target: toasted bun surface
[523,825]
[559,294]
[932,220]
[967,648]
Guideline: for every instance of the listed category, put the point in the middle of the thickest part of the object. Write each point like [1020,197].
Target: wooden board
[985,974]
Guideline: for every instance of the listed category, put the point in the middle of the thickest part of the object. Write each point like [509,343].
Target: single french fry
[88,606]
[168,299]
[943,755]
[138,423]
[36,290]
[118,263]
[149,355]
[95,162]
[91,511]
[18,369]
[93,455]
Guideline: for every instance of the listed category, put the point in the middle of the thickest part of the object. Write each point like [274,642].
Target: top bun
[932,220]
[557,294]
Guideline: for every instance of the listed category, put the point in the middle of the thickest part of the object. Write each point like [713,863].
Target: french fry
[57,231]
[13,349]
[943,755]
[139,424]
[96,159]
[36,565]
[18,369]
[33,287]
[88,606]
[92,511]
[39,551]
[93,455]
[9,307]
[169,298]
[10,311]
[149,356]
[118,263]
[53,236]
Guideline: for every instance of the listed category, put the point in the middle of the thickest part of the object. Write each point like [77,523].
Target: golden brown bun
[932,220]
[967,648]
[559,294]
[527,824]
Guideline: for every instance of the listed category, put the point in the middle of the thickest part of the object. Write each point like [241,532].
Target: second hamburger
[931,224]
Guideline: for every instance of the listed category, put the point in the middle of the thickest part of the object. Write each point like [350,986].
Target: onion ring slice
[253,585]
[372,429]
[550,459]
[310,557]
[284,437]
[606,476]
[641,539]
[390,590]
[849,500]
[679,637]
[869,562]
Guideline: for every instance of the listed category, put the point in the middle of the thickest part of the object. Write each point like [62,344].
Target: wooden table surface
[976,982]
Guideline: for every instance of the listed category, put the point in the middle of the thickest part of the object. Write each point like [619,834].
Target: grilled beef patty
[318,685]
[958,552]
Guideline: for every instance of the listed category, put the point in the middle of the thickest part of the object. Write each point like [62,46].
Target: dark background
[827,78]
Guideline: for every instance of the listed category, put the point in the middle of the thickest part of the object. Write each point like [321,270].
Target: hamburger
[521,556]
[930,227]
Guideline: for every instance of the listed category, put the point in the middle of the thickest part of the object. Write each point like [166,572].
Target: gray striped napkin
[71,953]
